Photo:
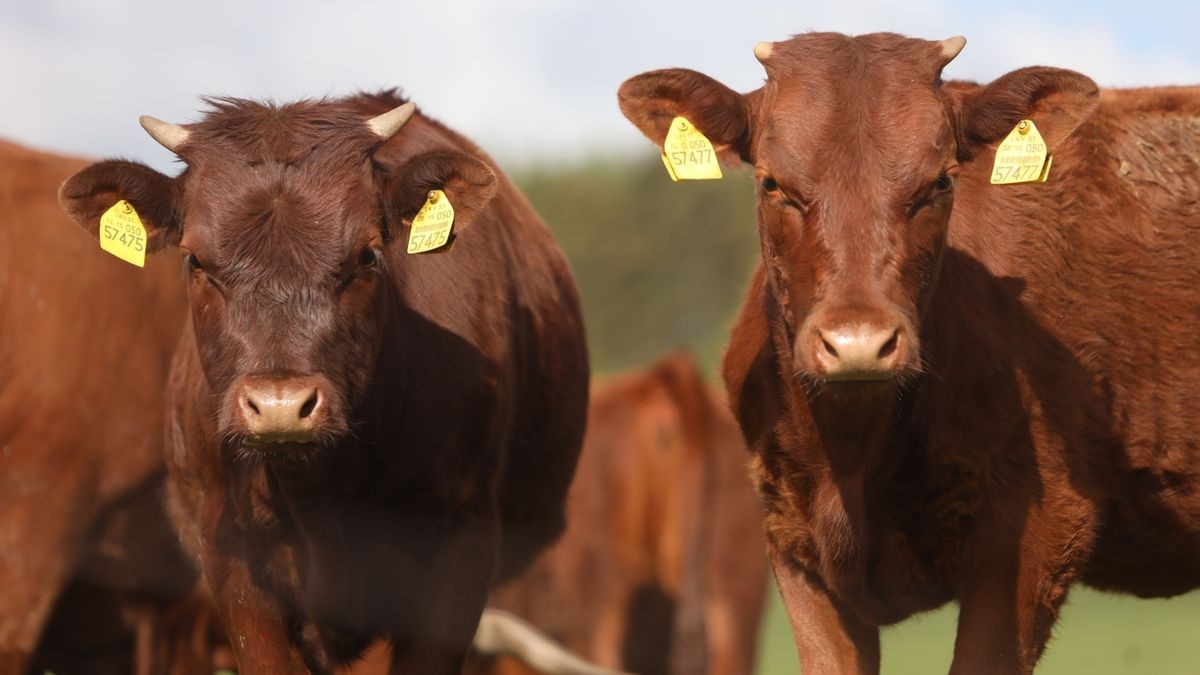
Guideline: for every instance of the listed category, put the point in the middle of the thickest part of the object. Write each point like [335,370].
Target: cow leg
[254,619]
[40,542]
[829,640]
[611,625]
[448,610]
[1014,590]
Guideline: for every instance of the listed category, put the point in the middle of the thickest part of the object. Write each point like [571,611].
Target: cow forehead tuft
[257,132]
[815,49]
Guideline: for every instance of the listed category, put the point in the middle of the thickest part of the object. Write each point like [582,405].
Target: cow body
[661,566]
[84,352]
[1031,420]
[447,392]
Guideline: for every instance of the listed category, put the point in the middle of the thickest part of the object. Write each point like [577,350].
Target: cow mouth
[848,388]
[285,450]
[861,377]
[275,439]
[273,447]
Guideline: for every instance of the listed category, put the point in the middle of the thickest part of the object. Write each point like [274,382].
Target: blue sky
[529,79]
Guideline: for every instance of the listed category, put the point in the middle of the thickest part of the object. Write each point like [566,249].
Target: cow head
[290,232]
[856,145]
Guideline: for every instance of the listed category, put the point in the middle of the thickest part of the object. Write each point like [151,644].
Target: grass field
[1098,634]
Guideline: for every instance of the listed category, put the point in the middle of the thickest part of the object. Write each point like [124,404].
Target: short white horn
[386,125]
[168,135]
[762,51]
[502,633]
[951,47]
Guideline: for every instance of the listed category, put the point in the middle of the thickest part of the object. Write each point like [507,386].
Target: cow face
[285,223]
[856,145]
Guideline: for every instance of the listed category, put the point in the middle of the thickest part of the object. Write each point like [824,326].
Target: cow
[85,346]
[955,390]
[361,441]
[662,567]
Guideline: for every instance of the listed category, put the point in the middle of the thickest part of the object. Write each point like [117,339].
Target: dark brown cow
[957,391]
[662,567]
[85,344]
[361,441]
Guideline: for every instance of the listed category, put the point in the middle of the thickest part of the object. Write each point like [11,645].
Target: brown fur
[455,384]
[84,352]
[660,509]
[1040,425]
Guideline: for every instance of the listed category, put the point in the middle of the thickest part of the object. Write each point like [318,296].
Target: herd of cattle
[319,452]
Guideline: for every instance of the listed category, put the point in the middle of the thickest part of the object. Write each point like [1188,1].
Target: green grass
[1098,634]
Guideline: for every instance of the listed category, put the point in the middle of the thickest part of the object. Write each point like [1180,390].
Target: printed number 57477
[693,157]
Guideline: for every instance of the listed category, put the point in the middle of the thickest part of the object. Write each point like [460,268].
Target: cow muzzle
[862,352]
[288,410]
[855,348]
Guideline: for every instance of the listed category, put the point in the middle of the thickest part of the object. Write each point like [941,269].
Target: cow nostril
[250,404]
[889,346]
[309,405]
[829,348]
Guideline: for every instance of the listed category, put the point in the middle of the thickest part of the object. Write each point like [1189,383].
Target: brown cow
[85,346]
[955,390]
[361,441]
[662,535]
[662,567]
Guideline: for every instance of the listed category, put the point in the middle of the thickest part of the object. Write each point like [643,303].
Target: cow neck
[855,431]
[859,447]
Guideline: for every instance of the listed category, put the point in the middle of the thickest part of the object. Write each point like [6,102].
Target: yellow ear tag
[122,233]
[1021,157]
[432,224]
[688,154]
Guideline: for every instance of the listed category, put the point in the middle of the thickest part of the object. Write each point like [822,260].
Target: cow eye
[771,189]
[192,262]
[931,193]
[369,258]
[944,182]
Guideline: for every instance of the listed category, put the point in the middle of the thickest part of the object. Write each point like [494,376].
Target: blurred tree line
[660,265]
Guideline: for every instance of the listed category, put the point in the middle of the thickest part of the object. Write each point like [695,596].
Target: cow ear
[469,184]
[95,189]
[1057,101]
[652,100]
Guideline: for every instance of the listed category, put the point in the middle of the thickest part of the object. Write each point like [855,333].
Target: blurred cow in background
[663,566]
[85,341]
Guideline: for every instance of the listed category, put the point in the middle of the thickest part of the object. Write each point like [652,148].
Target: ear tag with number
[432,224]
[688,154]
[1021,157]
[122,233]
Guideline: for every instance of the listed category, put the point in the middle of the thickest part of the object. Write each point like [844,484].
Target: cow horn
[951,47]
[386,125]
[502,633]
[762,51]
[168,135]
